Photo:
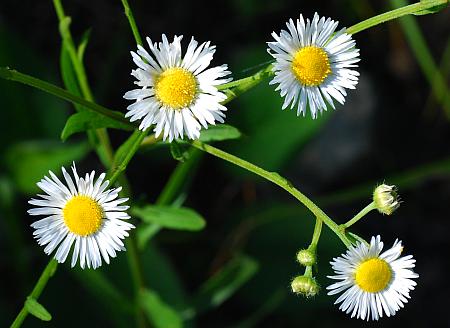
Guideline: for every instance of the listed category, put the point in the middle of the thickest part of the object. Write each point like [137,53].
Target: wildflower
[81,211]
[305,285]
[313,64]
[386,199]
[373,283]
[177,94]
[306,257]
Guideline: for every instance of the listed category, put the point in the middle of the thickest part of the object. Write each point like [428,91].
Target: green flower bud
[306,257]
[386,199]
[305,286]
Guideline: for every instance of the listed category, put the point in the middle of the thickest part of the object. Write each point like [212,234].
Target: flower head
[80,211]
[177,94]
[373,283]
[305,285]
[313,66]
[386,199]
[306,257]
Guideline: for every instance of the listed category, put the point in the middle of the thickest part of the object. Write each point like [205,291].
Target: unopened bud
[386,199]
[305,285]
[306,257]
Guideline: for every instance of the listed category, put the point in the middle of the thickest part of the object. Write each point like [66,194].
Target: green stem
[118,168]
[64,23]
[360,215]
[13,75]
[132,22]
[316,235]
[235,88]
[425,59]
[104,149]
[278,180]
[37,291]
[416,8]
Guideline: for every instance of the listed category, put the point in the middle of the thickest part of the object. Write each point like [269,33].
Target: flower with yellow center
[83,213]
[178,95]
[373,283]
[314,65]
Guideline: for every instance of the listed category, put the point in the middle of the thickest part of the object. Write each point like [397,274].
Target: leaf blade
[180,218]
[220,132]
[37,309]
[86,120]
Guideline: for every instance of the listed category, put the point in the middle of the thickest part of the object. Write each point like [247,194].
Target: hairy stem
[279,181]
[360,215]
[37,291]
[132,22]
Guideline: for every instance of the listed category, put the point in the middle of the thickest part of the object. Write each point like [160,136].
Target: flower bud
[306,257]
[305,285]
[386,199]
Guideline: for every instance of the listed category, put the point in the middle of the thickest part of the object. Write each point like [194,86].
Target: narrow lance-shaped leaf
[170,217]
[219,133]
[37,309]
[83,44]
[87,120]
[13,75]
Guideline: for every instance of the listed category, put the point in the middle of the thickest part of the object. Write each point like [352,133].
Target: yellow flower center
[311,65]
[82,215]
[373,275]
[176,87]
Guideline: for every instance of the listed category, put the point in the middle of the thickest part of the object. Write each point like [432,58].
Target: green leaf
[159,313]
[124,149]
[431,10]
[67,73]
[86,120]
[223,284]
[13,75]
[170,217]
[219,133]
[29,161]
[83,44]
[36,309]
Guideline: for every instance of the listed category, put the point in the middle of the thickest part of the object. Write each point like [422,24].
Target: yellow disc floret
[82,215]
[176,88]
[373,275]
[311,65]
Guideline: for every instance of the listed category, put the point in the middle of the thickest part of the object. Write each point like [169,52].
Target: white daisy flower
[178,94]
[313,64]
[374,283]
[81,211]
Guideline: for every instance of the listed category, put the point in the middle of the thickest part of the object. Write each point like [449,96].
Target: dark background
[391,129]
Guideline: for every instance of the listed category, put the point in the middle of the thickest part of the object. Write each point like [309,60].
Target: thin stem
[278,180]
[396,13]
[118,168]
[360,215]
[425,59]
[132,22]
[316,235]
[104,149]
[37,291]
[13,75]
[233,89]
